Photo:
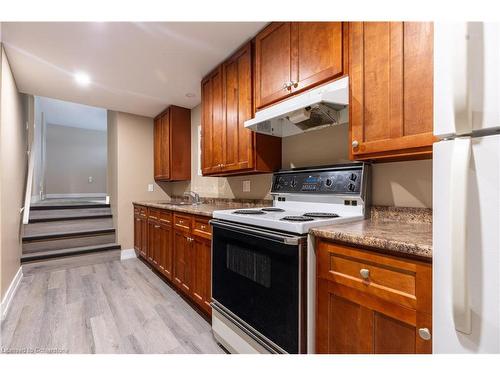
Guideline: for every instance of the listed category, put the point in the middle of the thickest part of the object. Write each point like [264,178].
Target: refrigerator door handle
[458,216]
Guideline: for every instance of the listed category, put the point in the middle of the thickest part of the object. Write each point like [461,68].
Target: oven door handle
[261,233]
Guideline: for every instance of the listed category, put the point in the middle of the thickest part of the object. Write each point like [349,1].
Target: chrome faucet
[195,197]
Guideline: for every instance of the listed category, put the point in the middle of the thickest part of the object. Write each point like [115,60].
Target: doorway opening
[71,153]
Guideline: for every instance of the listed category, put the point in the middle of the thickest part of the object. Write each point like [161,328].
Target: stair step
[76,240]
[67,228]
[68,252]
[39,216]
[70,261]
[68,206]
[57,235]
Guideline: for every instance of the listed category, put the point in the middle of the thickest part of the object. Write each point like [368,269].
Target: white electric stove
[308,198]
[263,260]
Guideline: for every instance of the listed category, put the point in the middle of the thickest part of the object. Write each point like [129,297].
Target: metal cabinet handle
[365,274]
[355,144]
[295,84]
[424,333]
[285,85]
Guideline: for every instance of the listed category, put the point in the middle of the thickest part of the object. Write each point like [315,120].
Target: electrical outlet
[246,186]
[91,179]
[151,187]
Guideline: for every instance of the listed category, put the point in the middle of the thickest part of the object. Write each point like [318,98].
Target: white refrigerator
[466,188]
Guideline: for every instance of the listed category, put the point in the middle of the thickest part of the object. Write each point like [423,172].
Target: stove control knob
[293,183]
[351,187]
[328,182]
[353,177]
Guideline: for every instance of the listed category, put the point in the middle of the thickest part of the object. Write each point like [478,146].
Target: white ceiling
[58,112]
[136,67]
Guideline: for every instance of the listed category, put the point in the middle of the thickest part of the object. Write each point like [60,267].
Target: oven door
[258,279]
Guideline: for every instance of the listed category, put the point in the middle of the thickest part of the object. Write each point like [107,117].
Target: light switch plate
[151,187]
[246,186]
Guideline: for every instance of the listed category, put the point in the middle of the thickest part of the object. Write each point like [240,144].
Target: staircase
[62,229]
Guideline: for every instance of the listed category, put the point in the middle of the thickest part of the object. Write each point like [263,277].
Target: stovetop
[309,197]
[287,220]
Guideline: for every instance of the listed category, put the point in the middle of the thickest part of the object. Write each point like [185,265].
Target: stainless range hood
[314,109]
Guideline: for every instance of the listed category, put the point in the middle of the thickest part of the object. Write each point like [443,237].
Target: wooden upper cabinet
[161,148]
[391,96]
[317,53]
[172,145]
[273,63]
[237,81]
[229,148]
[212,122]
[294,56]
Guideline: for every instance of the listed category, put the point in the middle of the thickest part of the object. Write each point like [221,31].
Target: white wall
[68,171]
[13,165]
[130,170]
[72,156]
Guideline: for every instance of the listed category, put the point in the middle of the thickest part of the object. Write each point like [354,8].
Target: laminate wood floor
[109,307]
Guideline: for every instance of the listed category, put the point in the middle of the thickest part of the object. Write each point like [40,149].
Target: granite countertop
[406,231]
[208,205]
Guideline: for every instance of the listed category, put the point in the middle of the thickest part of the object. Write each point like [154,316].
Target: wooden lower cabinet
[179,247]
[182,260]
[202,272]
[140,231]
[165,249]
[371,303]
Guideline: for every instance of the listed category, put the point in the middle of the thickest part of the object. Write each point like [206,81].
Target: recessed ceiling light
[190,95]
[82,79]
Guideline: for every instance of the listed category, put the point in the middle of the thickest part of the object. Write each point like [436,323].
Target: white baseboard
[11,291]
[76,195]
[127,254]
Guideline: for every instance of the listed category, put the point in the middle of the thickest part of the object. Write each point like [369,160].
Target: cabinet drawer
[154,214]
[384,277]
[165,217]
[201,227]
[182,222]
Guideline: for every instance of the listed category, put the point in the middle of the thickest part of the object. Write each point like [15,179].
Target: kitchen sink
[182,203]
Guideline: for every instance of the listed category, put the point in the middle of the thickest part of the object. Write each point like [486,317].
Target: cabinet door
[345,325]
[182,261]
[157,148]
[391,79]
[212,122]
[317,53]
[137,233]
[161,146]
[237,140]
[151,236]
[144,237]
[273,66]
[166,250]
[201,262]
